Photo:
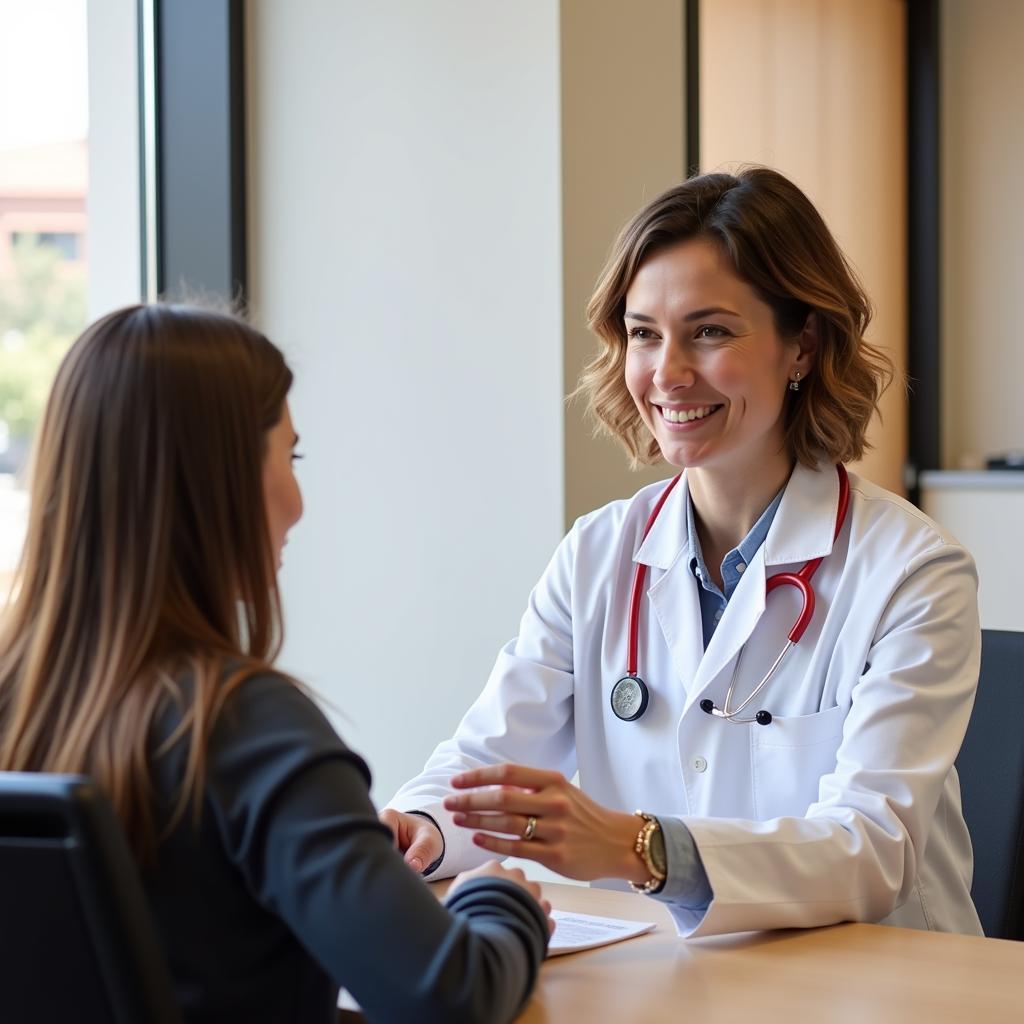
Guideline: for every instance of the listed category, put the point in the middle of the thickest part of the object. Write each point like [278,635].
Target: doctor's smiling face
[714,296]
[705,363]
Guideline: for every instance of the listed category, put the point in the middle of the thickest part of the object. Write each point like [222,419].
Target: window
[43,231]
[67,244]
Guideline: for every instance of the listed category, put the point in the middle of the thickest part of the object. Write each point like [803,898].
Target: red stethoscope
[630,696]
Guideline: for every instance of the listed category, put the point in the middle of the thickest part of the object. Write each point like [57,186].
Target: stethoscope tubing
[638,585]
[724,711]
[801,580]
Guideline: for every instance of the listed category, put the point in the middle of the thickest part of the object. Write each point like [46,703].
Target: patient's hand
[492,869]
[418,838]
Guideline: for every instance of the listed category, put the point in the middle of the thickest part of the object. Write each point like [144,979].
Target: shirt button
[718,615]
[740,567]
[699,764]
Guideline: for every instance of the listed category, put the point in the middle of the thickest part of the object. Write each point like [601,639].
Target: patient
[138,649]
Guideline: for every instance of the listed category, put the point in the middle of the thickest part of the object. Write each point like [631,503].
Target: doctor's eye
[711,332]
[640,334]
[297,455]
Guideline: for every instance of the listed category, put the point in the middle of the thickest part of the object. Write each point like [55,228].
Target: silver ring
[531,827]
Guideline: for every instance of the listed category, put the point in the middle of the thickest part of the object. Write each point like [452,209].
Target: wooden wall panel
[816,89]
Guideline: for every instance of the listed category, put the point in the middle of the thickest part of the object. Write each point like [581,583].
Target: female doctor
[772,793]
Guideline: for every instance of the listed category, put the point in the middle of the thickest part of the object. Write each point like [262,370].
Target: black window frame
[193,155]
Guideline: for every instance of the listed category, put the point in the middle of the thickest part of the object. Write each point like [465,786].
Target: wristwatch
[650,848]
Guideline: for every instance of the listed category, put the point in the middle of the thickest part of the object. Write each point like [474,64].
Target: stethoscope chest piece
[630,697]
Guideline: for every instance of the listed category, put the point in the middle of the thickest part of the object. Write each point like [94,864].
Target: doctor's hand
[417,837]
[553,822]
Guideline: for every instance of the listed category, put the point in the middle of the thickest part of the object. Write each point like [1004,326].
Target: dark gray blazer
[290,887]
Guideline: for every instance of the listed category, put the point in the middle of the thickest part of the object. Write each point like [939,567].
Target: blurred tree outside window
[42,310]
[43,230]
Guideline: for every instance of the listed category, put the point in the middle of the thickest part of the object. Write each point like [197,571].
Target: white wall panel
[405,252]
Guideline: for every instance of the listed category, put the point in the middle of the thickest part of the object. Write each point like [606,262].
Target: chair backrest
[991,769]
[76,939]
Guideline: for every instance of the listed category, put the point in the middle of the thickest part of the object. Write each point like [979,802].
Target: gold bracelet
[642,848]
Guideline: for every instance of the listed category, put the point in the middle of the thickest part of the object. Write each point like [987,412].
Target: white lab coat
[846,807]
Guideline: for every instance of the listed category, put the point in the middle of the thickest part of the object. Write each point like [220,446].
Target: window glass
[43,232]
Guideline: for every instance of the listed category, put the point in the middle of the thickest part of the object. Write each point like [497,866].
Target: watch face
[658,858]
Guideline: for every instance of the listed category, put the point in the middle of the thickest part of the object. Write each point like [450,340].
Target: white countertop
[972,480]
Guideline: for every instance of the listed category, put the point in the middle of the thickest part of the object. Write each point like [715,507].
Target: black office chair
[76,940]
[991,769]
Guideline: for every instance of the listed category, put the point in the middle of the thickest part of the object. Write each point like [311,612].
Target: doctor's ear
[807,341]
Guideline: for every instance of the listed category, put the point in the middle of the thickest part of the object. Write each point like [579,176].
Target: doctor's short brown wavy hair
[779,244]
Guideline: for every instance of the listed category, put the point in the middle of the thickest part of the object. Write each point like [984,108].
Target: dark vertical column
[691,17]
[924,444]
[200,148]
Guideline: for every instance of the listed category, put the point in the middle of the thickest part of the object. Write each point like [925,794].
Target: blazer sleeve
[523,715]
[291,803]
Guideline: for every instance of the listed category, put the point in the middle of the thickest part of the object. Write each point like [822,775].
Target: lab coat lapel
[674,599]
[805,523]
[672,593]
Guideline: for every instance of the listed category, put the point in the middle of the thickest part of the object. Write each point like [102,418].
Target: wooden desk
[846,974]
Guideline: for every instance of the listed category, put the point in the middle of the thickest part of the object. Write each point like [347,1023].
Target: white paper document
[574,932]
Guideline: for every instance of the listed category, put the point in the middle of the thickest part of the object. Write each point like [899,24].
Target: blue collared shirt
[687,882]
[712,599]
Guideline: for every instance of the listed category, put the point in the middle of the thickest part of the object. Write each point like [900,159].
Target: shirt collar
[743,553]
[802,527]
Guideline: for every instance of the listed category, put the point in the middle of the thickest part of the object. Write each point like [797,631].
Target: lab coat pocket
[788,759]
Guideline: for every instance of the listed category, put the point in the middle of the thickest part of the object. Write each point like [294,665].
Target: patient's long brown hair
[147,556]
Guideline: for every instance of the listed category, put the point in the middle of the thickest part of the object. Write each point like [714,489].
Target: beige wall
[983,228]
[815,88]
[622,144]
